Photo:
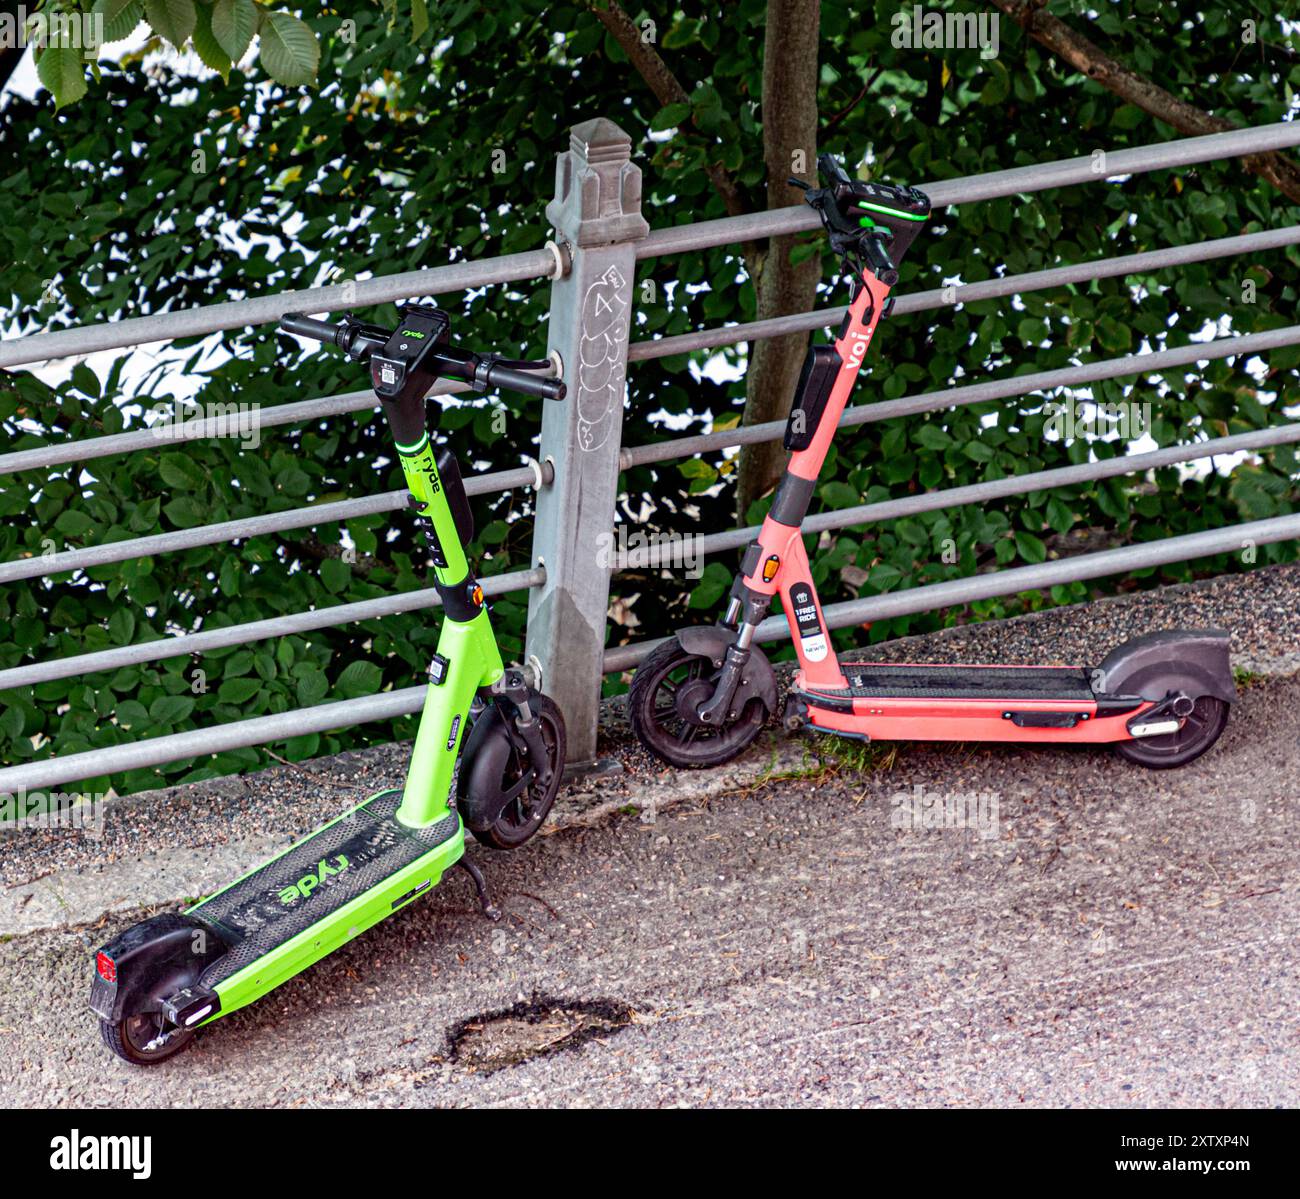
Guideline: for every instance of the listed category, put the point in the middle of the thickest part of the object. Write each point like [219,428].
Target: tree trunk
[789,113]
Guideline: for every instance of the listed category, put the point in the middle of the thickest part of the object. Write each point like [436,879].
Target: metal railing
[600,237]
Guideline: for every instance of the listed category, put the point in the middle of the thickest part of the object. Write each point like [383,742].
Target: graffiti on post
[600,364]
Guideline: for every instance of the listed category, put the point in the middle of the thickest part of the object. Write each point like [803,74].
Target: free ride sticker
[812,637]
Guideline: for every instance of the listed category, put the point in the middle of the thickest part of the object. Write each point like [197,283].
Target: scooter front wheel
[144,1039]
[530,801]
[1200,730]
[666,686]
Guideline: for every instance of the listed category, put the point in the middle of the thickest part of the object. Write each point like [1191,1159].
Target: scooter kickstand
[490,910]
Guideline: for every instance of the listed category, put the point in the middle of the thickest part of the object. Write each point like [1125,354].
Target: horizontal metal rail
[1180,152]
[186,644]
[675,239]
[1154,362]
[317,618]
[262,310]
[313,515]
[260,730]
[969,293]
[199,743]
[86,449]
[148,438]
[958,592]
[1110,368]
[977,493]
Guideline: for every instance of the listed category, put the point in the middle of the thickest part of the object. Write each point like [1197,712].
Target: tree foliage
[158,192]
[66,34]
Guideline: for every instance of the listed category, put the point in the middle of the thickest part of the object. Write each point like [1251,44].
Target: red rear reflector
[107,970]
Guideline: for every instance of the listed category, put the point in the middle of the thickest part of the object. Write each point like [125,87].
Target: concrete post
[597,216]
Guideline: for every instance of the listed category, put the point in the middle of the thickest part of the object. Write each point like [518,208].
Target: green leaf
[121,626]
[839,495]
[713,583]
[293,481]
[697,468]
[290,52]
[359,678]
[932,437]
[238,691]
[495,533]
[312,687]
[169,709]
[85,380]
[419,19]
[233,24]
[62,70]
[186,512]
[335,574]
[669,117]
[172,19]
[883,576]
[120,17]
[179,470]
[999,83]
[1030,548]
[207,46]
[73,523]
[131,714]
[1031,330]
[11,722]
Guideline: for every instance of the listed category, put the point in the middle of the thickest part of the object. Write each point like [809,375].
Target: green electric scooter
[488,756]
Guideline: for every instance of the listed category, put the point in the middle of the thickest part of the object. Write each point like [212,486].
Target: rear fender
[152,961]
[1193,661]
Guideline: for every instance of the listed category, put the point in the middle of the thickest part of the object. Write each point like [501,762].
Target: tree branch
[851,105]
[1089,59]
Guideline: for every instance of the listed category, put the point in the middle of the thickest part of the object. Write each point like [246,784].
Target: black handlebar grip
[308,326]
[881,263]
[524,381]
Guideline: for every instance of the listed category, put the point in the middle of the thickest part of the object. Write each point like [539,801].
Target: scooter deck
[869,680]
[306,887]
[936,702]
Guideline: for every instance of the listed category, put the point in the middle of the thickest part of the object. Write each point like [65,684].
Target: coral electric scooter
[488,755]
[1162,699]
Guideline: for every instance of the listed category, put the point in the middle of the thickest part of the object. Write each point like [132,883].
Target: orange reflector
[477,594]
[770,567]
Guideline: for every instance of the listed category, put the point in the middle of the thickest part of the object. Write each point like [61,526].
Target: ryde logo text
[77,1152]
[309,882]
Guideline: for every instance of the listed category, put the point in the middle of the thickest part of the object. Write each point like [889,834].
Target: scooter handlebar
[360,341]
[308,326]
[526,382]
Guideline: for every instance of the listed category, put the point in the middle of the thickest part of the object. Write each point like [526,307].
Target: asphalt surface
[771,934]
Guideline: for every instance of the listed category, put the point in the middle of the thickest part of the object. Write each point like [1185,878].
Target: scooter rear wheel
[132,1038]
[1200,730]
[652,706]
